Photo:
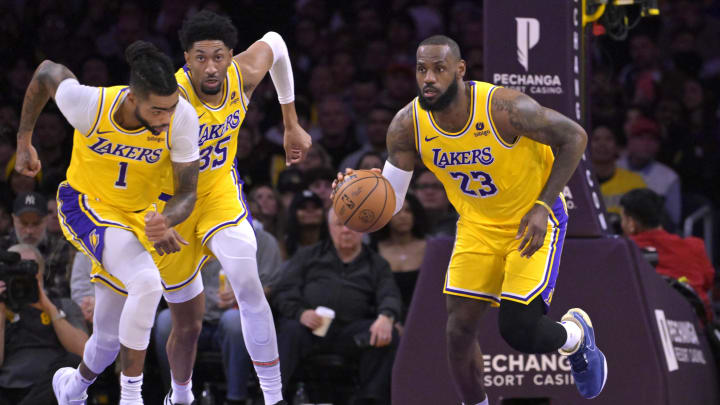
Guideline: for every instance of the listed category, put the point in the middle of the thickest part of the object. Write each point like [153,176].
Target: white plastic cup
[327,316]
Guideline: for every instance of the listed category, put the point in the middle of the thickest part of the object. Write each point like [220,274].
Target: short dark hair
[207,26]
[151,71]
[644,206]
[443,40]
[420,222]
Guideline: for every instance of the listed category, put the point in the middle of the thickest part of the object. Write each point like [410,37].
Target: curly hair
[205,26]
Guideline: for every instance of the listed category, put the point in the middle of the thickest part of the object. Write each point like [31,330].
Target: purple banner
[535,47]
[656,351]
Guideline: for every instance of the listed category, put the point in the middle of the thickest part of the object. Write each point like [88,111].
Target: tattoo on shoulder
[400,132]
[523,113]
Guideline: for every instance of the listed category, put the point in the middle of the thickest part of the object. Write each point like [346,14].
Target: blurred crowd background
[652,102]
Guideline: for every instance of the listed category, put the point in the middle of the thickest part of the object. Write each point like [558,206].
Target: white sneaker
[60,381]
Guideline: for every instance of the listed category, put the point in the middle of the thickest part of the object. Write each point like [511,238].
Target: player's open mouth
[211,82]
[429,93]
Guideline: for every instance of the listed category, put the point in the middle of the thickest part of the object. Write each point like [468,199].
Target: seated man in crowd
[614,181]
[677,257]
[354,281]
[37,340]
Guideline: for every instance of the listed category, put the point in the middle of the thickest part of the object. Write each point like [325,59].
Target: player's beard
[442,101]
[211,91]
[145,123]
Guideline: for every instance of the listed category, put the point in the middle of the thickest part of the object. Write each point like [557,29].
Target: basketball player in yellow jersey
[127,140]
[491,149]
[219,87]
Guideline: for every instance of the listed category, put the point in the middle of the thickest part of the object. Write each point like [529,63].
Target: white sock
[182,392]
[77,385]
[130,388]
[574,334]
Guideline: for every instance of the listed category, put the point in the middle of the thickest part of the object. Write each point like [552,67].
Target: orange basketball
[364,201]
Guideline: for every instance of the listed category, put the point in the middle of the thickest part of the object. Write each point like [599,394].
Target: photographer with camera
[37,334]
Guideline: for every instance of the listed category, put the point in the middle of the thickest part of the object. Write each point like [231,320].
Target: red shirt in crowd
[678,257]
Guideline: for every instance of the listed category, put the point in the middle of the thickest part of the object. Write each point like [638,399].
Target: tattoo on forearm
[182,203]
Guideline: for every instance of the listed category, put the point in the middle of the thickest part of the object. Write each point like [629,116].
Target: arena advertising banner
[656,349]
[535,47]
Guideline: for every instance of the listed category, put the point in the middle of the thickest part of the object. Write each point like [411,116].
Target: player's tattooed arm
[401,140]
[516,115]
[44,84]
[183,201]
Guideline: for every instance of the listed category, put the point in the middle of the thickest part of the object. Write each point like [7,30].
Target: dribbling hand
[341,177]
[165,238]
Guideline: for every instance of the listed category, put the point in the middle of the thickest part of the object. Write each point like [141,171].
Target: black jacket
[361,289]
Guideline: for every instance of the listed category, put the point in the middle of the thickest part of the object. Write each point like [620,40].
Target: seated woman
[306,222]
[402,243]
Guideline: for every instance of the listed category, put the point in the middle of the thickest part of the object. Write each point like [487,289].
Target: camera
[20,281]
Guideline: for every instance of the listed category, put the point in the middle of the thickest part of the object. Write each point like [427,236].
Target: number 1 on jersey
[120,183]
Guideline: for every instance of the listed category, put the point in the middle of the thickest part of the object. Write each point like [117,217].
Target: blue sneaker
[589,366]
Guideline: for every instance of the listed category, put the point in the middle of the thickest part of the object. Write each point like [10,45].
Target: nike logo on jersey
[468,157]
[430,139]
[99,132]
[200,116]
[210,132]
[103,146]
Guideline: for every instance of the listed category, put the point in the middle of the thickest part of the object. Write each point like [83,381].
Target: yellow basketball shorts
[84,219]
[224,206]
[486,264]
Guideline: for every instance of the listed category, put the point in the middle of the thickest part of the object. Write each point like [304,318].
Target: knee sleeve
[144,292]
[526,328]
[236,249]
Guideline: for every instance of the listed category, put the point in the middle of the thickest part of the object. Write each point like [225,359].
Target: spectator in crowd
[317,156]
[30,216]
[364,95]
[402,243]
[640,77]
[36,340]
[306,222]
[614,181]
[677,257]
[222,330]
[7,149]
[334,129]
[5,222]
[269,210]
[442,217]
[355,282]
[59,254]
[399,86]
[371,160]
[290,182]
[18,184]
[378,122]
[319,181]
[81,290]
[642,149]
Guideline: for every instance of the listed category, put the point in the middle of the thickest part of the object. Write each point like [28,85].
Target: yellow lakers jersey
[119,167]
[219,125]
[486,179]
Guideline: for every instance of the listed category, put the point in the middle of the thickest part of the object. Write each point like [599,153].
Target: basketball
[364,201]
